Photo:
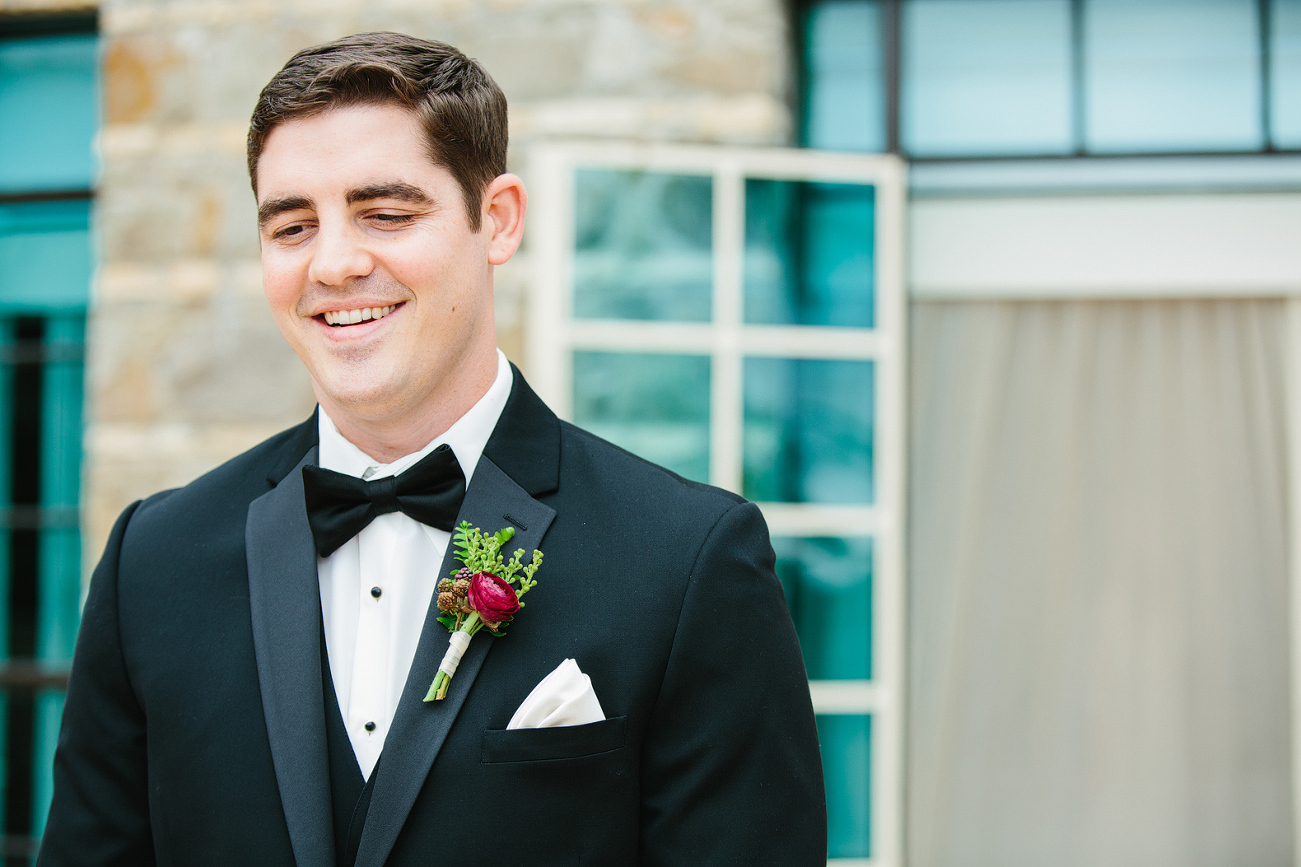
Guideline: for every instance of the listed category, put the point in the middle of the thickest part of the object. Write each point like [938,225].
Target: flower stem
[438,689]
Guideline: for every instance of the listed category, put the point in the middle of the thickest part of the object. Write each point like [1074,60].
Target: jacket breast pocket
[550,744]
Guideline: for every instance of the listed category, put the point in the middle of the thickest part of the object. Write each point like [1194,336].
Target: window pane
[846,78]
[643,246]
[44,256]
[655,406]
[986,77]
[47,112]
[808,431]
[846,770]
[809,253]
[828,584]
[1285,66]
[1172,75]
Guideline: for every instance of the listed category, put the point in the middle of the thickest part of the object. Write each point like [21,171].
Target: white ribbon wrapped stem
[455,650]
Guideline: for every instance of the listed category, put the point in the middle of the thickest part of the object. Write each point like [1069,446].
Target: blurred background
[992,305]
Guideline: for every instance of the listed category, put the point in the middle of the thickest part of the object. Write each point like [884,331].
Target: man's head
[460,109]
[381,217]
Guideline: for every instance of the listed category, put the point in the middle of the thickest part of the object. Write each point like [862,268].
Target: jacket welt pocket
[558,742]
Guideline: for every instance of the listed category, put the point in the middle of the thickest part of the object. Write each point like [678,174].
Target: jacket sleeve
[100,810]
[731,768]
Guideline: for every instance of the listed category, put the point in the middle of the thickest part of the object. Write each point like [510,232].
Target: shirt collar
[467,437]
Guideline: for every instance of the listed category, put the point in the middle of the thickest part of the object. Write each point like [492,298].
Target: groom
[255,650]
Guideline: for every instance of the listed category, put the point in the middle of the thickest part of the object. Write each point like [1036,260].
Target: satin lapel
[493,501]
[286,606]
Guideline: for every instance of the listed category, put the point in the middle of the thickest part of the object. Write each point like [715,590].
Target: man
[249,679]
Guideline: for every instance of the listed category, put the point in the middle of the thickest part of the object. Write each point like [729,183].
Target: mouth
[344,318]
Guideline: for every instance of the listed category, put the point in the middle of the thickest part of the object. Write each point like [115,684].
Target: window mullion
[726,385]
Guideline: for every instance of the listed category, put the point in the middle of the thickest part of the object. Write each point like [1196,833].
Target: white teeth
[361,314]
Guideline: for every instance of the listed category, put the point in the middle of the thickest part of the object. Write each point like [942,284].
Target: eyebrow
[403,192]
[272,208]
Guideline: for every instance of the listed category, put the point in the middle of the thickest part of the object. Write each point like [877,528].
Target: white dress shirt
[376,588]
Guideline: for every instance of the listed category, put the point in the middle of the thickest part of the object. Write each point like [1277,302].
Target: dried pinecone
[464,574]
[447,602]
[445,585]
[461,587]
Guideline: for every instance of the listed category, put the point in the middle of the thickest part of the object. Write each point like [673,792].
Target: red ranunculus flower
[493,598]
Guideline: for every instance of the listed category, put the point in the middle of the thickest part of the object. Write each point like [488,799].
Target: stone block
[219,362]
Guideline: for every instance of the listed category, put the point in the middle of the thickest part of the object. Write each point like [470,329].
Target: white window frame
[554,334]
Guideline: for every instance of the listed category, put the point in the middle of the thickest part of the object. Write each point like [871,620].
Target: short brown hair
[459,106]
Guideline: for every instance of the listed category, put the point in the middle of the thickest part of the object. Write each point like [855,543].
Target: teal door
[48,116]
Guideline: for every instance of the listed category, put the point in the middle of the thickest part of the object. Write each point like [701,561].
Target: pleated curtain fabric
[1098,632]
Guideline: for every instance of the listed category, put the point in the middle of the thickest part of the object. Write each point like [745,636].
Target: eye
[290,232]
[393,219]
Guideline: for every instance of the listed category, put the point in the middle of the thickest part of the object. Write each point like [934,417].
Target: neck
[387,436]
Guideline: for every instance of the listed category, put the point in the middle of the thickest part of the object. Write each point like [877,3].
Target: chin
[356,396]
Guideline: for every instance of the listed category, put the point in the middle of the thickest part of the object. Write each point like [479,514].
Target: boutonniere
[483,594]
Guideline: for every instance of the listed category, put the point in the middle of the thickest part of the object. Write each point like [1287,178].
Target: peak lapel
[492,501]
[286,608]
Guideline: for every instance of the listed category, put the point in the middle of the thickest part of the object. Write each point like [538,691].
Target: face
[369,264]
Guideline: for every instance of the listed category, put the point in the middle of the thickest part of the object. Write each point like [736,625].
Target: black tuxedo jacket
[194,730]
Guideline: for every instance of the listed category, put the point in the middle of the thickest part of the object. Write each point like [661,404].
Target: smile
[361,314]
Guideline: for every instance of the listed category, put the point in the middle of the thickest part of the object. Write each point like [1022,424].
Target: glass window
[809,253]
[808,431]
[48,118]
[987,77]
[845,107]
[768,369]
[656,406]
[48,112]
[1285,73]
[828,585]
[846,771]
[1172,75]
[643,246]
[44,255]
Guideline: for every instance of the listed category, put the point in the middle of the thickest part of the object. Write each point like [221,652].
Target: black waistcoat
[349,790]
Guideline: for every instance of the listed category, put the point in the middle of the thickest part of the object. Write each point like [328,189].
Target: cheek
[279,285]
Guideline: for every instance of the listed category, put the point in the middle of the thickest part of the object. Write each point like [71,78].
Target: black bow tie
[341,506]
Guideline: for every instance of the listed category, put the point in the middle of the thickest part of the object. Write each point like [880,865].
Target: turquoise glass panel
[810,253]
[47,715]
[1285,73]
[8,337]
[983,77]
[845,96]
[828,585]
[808,431]
[48,112]
[59,559]
[655,406]
[1172,75]
[45,261]
[643,246]
[60,546]
[846,743]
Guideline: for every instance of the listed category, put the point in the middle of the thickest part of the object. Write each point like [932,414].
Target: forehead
[342,148]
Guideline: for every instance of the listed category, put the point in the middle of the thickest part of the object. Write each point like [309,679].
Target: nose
[339,254]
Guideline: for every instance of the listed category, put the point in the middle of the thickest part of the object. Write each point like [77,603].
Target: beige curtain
[1098,651]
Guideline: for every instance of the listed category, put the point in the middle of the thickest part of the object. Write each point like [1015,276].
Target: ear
[504,203]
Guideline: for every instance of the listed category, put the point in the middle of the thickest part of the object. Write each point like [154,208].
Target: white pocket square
[562,698]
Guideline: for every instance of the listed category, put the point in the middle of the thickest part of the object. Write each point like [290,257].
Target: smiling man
[252,679]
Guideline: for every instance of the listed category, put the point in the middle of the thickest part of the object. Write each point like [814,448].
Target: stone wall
[185,367]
